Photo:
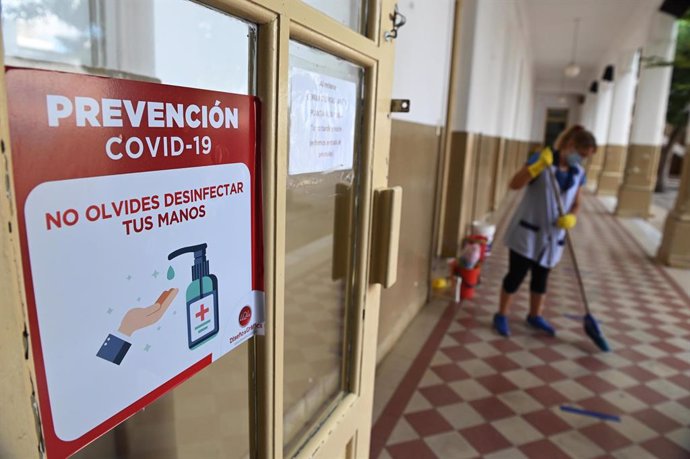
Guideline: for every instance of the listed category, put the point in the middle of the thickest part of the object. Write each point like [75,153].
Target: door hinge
[39,426]
[400,105]
[25,340]
[398,19]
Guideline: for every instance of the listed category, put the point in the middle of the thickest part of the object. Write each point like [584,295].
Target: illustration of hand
[138,318]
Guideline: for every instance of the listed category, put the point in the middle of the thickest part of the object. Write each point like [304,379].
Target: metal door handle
[385,244]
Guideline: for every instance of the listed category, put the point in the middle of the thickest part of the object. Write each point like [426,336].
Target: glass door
[173,42]
[324,173]
[334,104]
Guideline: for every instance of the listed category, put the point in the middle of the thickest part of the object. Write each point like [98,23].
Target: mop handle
[568,240]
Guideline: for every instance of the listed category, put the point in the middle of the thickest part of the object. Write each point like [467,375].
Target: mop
[590,324]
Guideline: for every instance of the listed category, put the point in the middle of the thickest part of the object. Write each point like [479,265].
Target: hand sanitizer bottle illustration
[202,297]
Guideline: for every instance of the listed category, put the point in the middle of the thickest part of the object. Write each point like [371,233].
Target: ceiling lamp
[572,70]
[562,99]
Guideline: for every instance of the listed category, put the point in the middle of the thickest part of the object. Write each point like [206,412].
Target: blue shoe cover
[540,323]
[501,324]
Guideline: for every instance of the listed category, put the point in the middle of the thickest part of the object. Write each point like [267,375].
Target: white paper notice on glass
[322,122]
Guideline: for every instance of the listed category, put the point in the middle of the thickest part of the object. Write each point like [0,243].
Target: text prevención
[116,113]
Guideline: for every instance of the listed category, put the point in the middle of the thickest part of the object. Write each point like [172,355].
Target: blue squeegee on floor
[594,414]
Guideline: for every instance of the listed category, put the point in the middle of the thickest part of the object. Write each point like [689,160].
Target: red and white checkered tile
[480,395]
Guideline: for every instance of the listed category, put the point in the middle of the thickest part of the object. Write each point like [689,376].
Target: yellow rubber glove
[544,161]
[567,221]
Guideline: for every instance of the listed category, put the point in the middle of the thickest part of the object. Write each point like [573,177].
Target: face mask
[574,159]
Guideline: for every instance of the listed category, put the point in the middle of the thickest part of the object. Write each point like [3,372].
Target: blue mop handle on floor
[590,324]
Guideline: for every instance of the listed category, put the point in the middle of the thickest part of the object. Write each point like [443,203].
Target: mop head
[592,329]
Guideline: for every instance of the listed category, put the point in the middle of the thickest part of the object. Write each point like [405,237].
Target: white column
[646,138]
[603,112]
[623,98]
[584,112]
[602,116]
[587,112]
[655,83]
[675,245]
[619,125]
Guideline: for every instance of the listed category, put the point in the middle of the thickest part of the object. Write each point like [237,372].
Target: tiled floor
[466,392]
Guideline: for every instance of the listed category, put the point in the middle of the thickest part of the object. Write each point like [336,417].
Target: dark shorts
[517,270]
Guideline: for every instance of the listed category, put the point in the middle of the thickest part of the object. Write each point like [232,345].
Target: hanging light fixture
[562,99]
[572,70]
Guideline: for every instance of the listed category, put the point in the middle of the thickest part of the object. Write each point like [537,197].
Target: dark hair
[578,135]
[584,140]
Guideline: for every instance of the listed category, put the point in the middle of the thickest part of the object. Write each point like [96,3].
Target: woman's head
[576,139]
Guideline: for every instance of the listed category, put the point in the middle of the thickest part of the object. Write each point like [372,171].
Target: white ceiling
[603,23]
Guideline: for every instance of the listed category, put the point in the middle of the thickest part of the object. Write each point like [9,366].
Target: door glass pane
[348,12]
[556,122]
[205,417]
[325,110]
[48,31]
[175,42]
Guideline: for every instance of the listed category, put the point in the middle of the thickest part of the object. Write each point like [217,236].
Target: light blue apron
[533,232]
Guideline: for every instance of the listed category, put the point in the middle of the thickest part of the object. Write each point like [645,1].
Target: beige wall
[505,168]
[459,200]
[611,175]
[639,178]
[413,165]
[479,170]
[485,177]
[594,166]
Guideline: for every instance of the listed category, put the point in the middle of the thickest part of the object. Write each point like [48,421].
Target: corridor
[453,388]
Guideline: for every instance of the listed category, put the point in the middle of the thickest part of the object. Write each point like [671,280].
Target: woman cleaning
[536,235]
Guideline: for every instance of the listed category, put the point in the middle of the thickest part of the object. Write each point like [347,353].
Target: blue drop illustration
[171,273]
